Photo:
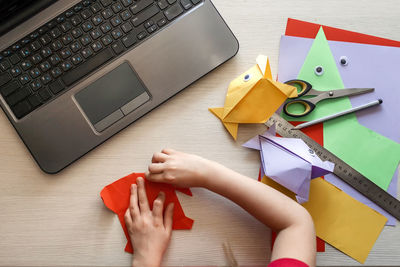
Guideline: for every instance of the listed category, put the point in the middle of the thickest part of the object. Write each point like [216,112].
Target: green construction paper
[371,154]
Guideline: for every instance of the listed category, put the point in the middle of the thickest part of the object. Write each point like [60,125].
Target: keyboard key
[24,79]
[87,26]
[149,24]
[78,8]
[65,53]
[96,46]
[107,13]
[66,39]
[24,52]
[97,20]
[129,39]
[55,59]
[26,65]
[96,33]
[87,52]
[76,59]
[76,20]
[45,39]
[85,40]
[106,27]
[106,3]
[34,35]
[187,4]
[36,58]
[56,87]
[45,66]
[171,1]
[125,15]
[34,101]
[34,73]
[43,30]
[17,96]
[15,71]
[51,24]
[86,3]
[173,12]
[9,88]
[57,45]
[4,65]
[14,59]
[117,7]
[35,46]
[46,52]
[69,13]
[118,47]
[162,4]
[162,22]
[15,47]
[77,32]
[46,78]
[75,46]
[195,2]
[152,29]
[21,109]
[145,15]
[86,14]
[66,26]
[56,72]
[95,7]
[140,5]
[6,53]
[127,3]
[44,94]
[36,85]
[106,40]
[60,19]
[115,21]
[126,27]
[116,33]
[141,35]
[66,65]
[87,67]
[55,33]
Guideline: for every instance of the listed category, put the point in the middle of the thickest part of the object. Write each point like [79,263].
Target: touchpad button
[109,98]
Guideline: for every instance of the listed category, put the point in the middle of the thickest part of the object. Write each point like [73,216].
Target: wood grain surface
[60,220]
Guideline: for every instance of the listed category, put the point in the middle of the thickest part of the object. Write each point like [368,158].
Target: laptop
[74,73]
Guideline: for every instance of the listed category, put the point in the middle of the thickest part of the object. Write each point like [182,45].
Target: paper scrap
[340,220]
[358,146]
[293,52]
[252,97]
[289,162]
[116,198]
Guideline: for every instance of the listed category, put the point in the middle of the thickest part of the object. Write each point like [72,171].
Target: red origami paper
[116,197]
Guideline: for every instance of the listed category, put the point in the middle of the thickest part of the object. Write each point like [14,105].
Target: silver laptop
[74,73]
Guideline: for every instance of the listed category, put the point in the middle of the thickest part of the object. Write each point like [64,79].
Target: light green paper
[370,153]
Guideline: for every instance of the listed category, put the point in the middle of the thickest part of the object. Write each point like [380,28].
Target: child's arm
[296,235]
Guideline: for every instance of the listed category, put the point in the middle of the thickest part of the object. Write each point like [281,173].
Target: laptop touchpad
[112,96]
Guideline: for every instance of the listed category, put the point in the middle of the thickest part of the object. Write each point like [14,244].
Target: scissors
[310,103]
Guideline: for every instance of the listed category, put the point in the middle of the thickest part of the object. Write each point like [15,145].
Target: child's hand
[179,169]
[150,231]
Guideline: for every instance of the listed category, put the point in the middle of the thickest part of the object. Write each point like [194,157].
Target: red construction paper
[305,29]
[316,133]
[116,197]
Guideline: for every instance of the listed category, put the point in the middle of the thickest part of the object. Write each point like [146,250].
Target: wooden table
[60,220]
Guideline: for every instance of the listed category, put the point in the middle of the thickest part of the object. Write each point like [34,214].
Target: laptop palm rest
[111,97]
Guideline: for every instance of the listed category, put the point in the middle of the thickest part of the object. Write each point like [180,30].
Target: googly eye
[344,61]
[247,77]
[319,70]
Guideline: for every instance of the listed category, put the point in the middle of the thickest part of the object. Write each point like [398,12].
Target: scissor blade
[348,92]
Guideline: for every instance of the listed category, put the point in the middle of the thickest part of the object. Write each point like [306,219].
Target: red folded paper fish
[116,197]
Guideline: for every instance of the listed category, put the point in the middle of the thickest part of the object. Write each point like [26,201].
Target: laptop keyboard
[46,62]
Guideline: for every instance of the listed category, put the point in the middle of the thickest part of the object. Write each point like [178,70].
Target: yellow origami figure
[253,97]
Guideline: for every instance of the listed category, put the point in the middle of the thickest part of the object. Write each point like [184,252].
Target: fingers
[168,217]
[168,151]
[158,207]
[156,167]
[143,202]
[133,203]
[159,157]
[128,217]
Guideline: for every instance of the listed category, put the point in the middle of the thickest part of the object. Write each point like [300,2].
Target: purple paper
[368,66]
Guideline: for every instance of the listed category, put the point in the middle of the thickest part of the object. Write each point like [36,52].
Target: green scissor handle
[308,107]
